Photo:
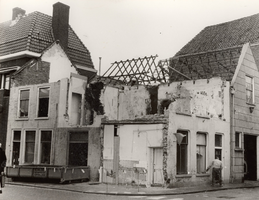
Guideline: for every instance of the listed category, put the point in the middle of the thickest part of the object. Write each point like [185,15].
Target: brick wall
[36,73]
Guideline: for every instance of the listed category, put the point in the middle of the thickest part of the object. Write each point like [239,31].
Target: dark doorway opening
[250,157]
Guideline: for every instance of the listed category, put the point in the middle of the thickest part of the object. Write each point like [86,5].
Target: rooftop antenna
[100,58]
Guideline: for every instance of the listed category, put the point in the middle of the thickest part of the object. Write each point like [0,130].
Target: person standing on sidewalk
[2,164]
[217,167]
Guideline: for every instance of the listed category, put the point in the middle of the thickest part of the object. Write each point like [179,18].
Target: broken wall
[197,107]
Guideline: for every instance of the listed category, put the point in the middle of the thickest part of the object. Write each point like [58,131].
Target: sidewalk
[108,189]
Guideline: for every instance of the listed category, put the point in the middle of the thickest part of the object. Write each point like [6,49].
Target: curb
[134,194]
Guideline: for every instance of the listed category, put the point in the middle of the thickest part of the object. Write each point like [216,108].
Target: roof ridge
[206,52]
[231,21]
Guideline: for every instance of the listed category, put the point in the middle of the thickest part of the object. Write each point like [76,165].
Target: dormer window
[249,90]
[4,82]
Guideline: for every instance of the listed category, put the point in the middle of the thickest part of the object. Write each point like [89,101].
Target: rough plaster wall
[94,153]
[109,99]
[244,121]
[201,98]
[60,66]
[108,141]
[133,102]
[199,107]
[61,147]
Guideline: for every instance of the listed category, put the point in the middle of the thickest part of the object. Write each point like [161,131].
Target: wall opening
[153,91]
[250,157]
[78,149]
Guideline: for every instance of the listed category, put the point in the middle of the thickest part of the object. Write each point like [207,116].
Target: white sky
[124,29]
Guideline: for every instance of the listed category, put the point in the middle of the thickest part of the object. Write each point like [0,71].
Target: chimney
[17,11]
[60,23]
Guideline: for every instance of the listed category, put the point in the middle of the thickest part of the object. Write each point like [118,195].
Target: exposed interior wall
[244,121]
[133,102]
[201,97]
[136,143]
[109,99]
[72,101]
[94,153]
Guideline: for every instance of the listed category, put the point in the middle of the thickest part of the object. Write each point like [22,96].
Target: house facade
[50,122]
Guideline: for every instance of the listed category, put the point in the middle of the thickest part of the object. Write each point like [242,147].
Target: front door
[250,157]
[157,166]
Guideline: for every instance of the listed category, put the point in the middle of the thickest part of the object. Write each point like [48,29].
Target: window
[238,140]
[249,90]
[45,147]
[24,103]
[43,106]
[201,152]
[218,146]
[16,147]
[5,81]
[78,149]
[182,152]
[29,146]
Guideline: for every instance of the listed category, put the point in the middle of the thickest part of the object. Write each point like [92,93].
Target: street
[16,192]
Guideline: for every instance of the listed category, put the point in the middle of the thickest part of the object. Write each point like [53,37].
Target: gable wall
[244,121]
[60,65]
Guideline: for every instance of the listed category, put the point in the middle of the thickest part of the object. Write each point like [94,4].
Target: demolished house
[165,122]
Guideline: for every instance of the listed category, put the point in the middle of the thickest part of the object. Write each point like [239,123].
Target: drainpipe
[232,132]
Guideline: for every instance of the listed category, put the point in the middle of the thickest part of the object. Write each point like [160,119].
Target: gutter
[19,55]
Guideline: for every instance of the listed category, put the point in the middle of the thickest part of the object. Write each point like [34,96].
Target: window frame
[38,102]
[25,145]
[179,170]
[239,136]
[3,78]
[206,153]
[39,156]
[248,89]
[19,103]
[218,148]
[20,146]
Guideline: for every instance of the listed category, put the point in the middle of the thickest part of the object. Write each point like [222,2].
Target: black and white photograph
[129,99]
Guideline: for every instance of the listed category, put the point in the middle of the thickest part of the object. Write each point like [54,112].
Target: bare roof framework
[141,71]
[145,71]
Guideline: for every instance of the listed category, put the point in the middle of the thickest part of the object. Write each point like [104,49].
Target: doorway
[250,157]
[157,166]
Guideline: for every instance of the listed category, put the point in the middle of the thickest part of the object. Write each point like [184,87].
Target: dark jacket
[2,159]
